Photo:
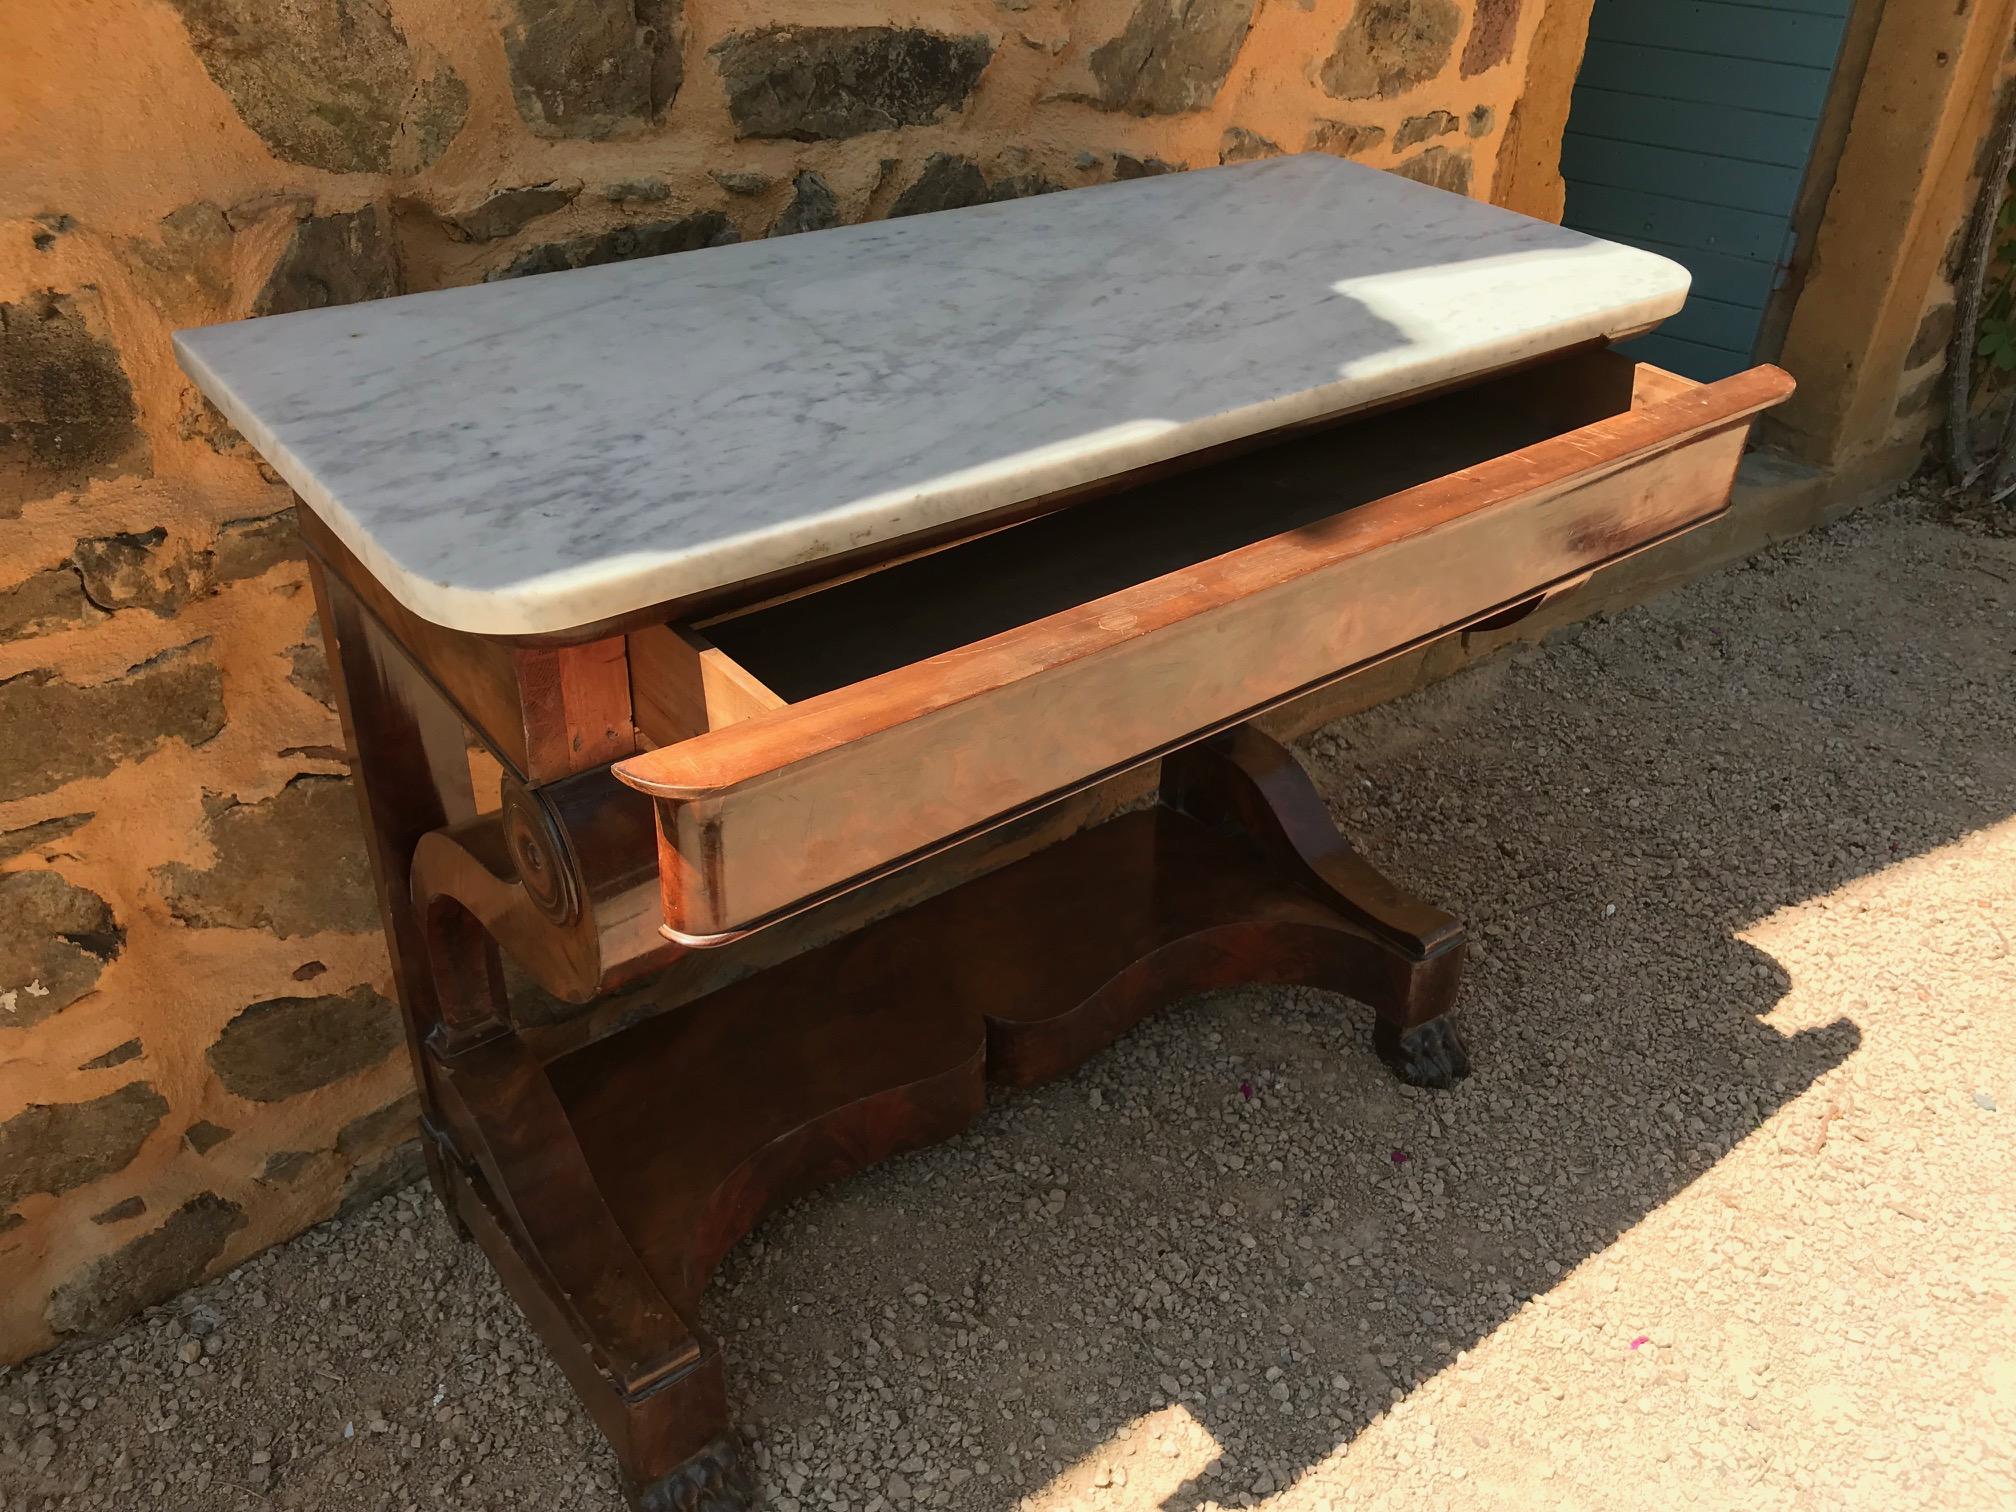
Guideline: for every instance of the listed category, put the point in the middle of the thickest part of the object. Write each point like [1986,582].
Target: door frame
[1823,163]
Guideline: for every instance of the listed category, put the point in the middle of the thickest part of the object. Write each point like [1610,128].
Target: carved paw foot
[714,1480]
[1428,1055]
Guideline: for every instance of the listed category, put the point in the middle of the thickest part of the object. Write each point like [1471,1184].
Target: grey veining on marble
[537,454]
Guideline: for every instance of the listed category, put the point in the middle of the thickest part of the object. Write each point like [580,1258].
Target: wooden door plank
[1777,34]
[1753,135]
[1634,214]
[1706,363]
[1686,173]
[1719,275]
[1668,75]
[1716,323]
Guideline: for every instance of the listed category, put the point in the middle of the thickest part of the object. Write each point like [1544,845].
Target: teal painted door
[1689,133]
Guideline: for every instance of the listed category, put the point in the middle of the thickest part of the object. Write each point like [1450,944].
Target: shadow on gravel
[1579,1126]
[1256,1223]
[1609,1119]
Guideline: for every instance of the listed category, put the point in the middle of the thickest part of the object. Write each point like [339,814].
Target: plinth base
[687,1126]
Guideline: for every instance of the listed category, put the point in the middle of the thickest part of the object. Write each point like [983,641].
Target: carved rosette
[540,852]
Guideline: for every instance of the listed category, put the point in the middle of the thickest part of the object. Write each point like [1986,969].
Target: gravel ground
[1724,1217]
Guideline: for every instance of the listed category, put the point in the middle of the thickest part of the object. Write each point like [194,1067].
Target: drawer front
[769,814]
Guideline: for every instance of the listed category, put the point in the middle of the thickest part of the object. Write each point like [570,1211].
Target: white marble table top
[541,453]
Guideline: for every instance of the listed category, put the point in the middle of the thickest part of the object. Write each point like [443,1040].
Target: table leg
[1245,782]
[409,762]
[497,1148]
[607,1183]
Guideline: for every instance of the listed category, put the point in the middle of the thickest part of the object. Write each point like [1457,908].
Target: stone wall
[1922,384]
[1870,331]
[197,1056]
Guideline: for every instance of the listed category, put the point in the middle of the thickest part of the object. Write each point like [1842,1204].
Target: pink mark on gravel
[1641,1339]
[1246,1090]
[1401,1157]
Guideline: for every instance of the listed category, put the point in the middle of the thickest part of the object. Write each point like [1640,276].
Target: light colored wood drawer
[802,746]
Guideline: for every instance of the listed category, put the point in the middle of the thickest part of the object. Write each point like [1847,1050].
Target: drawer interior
[830,636]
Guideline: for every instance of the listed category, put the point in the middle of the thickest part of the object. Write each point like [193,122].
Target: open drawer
[803,745]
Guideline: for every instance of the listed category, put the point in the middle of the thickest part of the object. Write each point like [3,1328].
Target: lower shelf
[695,1121]
[606,1183]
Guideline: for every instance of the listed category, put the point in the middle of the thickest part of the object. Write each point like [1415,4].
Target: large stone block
[134,570]
[375,1132]
[1494,28]
[1390,47]
[293,864]
[1172,57]
[55,939]
[190,252]
[66,408]
[1935,335]
[1441,167]
[150,1269]
[709,228]
[952,183]
[817,83]
[282,1047]
[506,212]
[1238,145]
[52,599]
[1421,128]
[946,183]
[85,730]
[39,836]
[1347,139]
[813,207]
[328,83]
[332,260]
[56,1147]
[252,546]
[593,68]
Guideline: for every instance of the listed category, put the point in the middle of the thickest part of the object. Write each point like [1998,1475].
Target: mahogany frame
[1010,952]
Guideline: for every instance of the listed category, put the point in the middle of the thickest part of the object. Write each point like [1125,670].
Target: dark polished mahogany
[883,1040]
[606,1155]
[604,1217]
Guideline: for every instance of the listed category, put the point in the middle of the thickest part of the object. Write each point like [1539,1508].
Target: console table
[829,603]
